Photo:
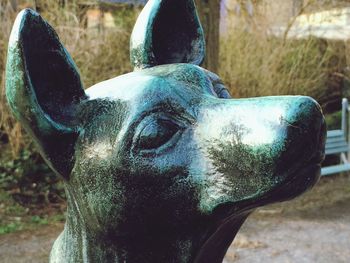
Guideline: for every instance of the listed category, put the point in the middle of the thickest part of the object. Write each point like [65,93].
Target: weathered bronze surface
[159,165]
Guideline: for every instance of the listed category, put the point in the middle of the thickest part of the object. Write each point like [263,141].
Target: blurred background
[259,48]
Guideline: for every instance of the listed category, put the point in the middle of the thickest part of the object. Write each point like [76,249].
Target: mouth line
[318,158]
[299,181]
[315,160]
[296,183]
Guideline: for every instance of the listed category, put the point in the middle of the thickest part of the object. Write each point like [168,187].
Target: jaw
[234,215]
[200,244]
[295,185]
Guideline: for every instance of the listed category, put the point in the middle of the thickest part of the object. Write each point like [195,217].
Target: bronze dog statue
[159,165]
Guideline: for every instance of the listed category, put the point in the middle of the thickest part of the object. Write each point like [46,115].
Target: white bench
[337,142]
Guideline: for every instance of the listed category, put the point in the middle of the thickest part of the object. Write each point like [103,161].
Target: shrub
[255,64]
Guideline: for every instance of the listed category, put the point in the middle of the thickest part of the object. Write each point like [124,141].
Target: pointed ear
[43,88]
[167,31]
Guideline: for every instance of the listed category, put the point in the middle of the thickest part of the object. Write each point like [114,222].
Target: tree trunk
[209,14]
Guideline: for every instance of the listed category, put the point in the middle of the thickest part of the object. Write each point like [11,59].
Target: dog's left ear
[166,32]
[43,89]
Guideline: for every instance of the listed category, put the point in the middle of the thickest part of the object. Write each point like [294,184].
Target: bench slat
[335,169]
[335,133]
[336,144]
[335,139]
[337,150]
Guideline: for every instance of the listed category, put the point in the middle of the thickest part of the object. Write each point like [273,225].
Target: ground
[312,228]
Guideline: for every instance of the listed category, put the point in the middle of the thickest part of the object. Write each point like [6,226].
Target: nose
[288,130]
[305,134]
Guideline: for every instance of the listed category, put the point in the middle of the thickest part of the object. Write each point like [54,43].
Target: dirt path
[29,246]
[288,240]
[311,229]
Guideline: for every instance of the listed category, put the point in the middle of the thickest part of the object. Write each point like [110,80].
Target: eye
[156,133]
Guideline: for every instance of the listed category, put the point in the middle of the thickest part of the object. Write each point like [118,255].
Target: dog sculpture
[159,165]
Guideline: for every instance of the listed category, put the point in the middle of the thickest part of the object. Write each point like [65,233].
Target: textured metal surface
[167,32]
[159,165]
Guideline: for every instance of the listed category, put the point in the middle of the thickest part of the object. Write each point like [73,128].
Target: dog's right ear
[166,32]
[43,89]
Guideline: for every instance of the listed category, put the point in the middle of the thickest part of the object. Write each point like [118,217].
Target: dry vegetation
[8,126]
[256,63]
[260,65]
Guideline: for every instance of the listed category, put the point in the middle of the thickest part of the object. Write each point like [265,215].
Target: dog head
[163,147]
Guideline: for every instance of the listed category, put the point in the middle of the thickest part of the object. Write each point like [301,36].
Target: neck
[201,243]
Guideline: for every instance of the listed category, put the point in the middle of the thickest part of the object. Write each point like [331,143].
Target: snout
[304,138]
[262,146]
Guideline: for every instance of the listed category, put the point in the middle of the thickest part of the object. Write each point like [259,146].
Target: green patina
[159,165]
